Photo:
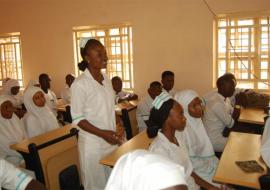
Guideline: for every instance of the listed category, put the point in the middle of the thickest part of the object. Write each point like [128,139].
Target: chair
[130,122]
[53,157]
[265,182]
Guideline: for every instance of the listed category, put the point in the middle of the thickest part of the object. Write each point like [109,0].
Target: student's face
[7,110]
[117,85]
[195,108]
[97,57]
[168,82]
[15,90]
[46,82]
[69,80]
[39,99]
[176,117]
[154,91]
[229,88]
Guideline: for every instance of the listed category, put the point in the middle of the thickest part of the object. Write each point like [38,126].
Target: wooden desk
[239,147]
[140,141]
[252,115]
[61,105]
[125,105]
[40,139]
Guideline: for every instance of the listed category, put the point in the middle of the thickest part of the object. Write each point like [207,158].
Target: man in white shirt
[66,93]
[218,119]
[45,85]
[121,95]
[167,80]
[13,178]
[145,105]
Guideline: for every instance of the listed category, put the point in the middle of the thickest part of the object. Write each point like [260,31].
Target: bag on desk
[251,166]
[257,100]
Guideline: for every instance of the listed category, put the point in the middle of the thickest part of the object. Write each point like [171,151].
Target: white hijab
[32,83]
[38,120]
[11,131]
[15,99]
[265,148]
[194,134]
[143,170]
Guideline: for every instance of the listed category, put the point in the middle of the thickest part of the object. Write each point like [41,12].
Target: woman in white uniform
[142,170]
[92,109]
[39,118]
[200,149]
[166,117]
[11,131]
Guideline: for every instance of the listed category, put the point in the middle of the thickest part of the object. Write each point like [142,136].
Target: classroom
[114,94]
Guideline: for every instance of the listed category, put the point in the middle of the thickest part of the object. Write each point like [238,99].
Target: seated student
[217,118]
[45,85]
[39,118]
[66,93]
[11,131]
[13,178]
[200,149]
[265,148]
[145,105]
[120,94]
[167,117]
[167,80]
[142,170]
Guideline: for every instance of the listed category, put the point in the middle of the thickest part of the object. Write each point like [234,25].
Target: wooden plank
[40,139]
[240,147]
[252,115]
[140,141]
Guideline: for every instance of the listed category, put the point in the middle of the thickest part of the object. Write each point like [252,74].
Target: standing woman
[92,109]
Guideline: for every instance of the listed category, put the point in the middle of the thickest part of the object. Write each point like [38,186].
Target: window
[243,49]
[10,57]
[118,43]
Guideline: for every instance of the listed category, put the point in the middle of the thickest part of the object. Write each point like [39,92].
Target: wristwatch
[237,106]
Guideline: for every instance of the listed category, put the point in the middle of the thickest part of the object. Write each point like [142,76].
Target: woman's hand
[110,136]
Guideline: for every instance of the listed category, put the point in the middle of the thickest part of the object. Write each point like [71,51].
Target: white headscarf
[8,85]
[38,120]
[11,131]
[265,148]
[32,83]
[143,170]
[196,138]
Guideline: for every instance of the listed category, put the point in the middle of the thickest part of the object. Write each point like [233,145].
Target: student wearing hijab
[45,85]
[218,119]
[143,170]
[11,131]
[39,118]
[167,80]
[12,89]
[145,105]
[167,117]
[121,95]
[66,93]
[265,148]
[92,109]
[13,178]
[200,149]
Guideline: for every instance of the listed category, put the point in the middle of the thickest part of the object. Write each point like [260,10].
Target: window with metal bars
[243,49]
[10,57]
[118,43]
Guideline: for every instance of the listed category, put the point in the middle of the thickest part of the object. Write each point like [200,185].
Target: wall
[168,35]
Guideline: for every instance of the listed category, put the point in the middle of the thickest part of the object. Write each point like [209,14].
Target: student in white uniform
[66,93]
[92,109]
[217,118]
[45,85]
[11,131]
[167,80]
[167,117]
[200,149]
[145,105]
[121,95]
[13,178]
[142,170]
[12,89]
[39,118]
[265,148]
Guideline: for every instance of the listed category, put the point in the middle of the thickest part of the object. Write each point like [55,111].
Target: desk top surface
[252,115]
